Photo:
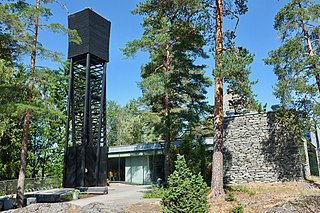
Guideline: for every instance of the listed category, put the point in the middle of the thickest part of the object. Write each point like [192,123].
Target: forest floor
[264,197]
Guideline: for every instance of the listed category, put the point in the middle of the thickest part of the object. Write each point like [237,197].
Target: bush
[230,197]
[155,192]
[237,209]
[186,192]
[66,196]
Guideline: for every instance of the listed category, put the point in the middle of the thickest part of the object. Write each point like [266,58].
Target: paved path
[120,197]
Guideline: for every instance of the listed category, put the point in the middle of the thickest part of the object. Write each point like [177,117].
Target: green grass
[154,193]
[237,209]
[230,197]
[242,188]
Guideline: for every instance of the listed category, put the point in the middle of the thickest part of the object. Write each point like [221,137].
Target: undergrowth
[237,209]
[155,192]
[242,188]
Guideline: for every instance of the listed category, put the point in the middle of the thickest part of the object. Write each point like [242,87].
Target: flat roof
[149,146]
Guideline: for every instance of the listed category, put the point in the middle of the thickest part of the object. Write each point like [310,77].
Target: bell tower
[85,145]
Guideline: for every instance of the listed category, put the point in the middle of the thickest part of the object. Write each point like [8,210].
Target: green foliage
[47,133]
[186,192]
[243,188]
[196,156]
[128,124]
[235,72]
[230,197]
[173,86]
[237,209]
[47,122]
[293,121]
[296,62]
[155,192]
[68,196]
[11,96]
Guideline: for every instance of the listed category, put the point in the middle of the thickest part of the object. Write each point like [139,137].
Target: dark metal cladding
[94,31]
[85,162]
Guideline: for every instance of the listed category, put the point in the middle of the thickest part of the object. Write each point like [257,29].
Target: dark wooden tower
[85,145]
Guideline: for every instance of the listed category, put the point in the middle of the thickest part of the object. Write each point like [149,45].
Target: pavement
[120,196]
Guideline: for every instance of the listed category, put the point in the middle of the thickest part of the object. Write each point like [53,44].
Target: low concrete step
[93,190]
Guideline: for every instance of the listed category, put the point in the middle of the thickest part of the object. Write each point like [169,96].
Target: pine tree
[186,192]
[11,94]
[296,62]
[231,66]
[173,87]
[19,19]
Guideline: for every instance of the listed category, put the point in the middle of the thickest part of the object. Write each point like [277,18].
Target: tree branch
[156,69]
[236,16]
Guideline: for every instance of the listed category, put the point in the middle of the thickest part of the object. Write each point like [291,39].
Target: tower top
[94,31]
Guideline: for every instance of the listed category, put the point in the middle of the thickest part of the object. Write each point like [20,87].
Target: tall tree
[296,64]
[47,126]
[26,122]
[19,18]
[11,96]
[296,61]
[231,66]
[12,79]
[128,125]
[173,86]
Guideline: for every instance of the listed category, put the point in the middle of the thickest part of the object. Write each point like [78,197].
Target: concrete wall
[256,148]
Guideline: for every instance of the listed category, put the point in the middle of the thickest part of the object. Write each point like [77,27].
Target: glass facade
[138,169]
[116,167]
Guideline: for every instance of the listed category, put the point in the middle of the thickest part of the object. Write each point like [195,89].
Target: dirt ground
[254,197]
[259,197]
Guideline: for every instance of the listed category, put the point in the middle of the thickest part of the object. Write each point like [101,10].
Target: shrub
[66,196]
[155,192]
[186,192]
[230,197]
[237,209]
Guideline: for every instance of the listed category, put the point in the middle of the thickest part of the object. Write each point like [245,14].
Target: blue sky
[255,32]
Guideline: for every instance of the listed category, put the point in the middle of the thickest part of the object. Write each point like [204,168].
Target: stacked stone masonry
[258,148]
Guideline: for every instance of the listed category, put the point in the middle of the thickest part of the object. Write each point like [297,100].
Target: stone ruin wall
[257,149]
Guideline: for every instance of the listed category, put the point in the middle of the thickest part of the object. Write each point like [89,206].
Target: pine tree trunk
[26,123]
[23,163]
[167,120]
[217,158]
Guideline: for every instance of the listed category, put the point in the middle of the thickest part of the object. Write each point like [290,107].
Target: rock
[95,207]
[47,208]
[309,203]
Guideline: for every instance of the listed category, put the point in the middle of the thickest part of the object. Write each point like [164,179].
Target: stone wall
[258,148]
